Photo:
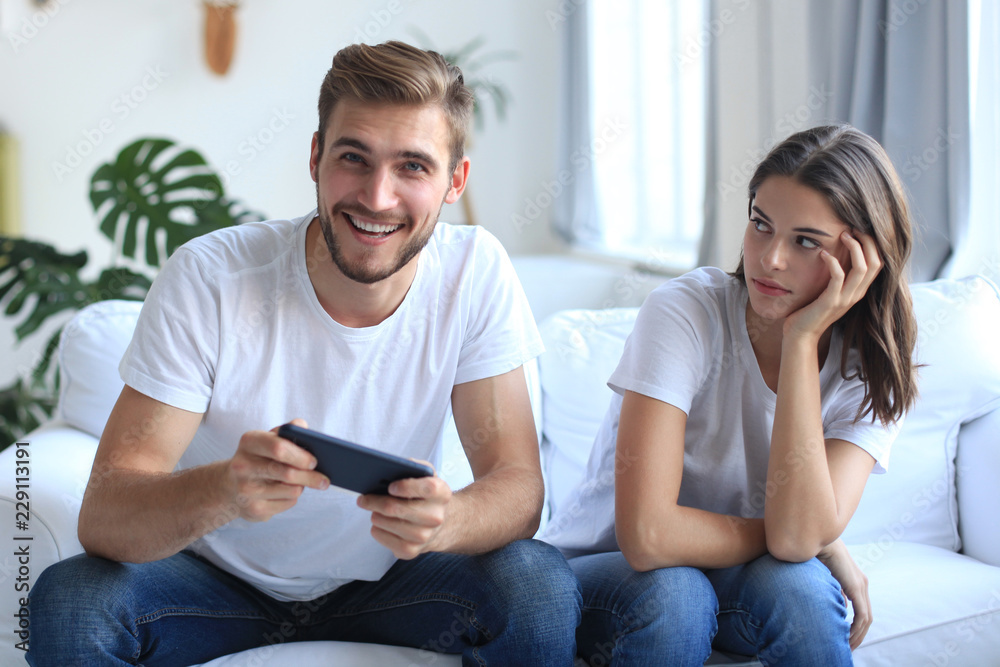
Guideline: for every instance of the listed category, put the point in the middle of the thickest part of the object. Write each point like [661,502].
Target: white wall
[98,74]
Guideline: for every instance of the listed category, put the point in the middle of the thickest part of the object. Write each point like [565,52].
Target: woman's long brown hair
[854,173]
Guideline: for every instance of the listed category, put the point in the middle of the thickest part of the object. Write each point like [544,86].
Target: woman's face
[790,224]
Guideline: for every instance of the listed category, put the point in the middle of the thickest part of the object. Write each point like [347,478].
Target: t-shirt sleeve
[666,355]
[874,437]
[173,353]
[501,333]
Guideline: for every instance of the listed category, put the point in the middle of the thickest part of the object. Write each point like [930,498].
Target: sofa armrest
[57,459]
[977,471]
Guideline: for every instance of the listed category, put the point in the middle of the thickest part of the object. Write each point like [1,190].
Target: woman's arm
[653,531]
[814,485]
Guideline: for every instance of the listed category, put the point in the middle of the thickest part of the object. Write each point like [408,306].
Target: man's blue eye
[414,166]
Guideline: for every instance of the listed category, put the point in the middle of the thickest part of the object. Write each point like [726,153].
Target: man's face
[380,184]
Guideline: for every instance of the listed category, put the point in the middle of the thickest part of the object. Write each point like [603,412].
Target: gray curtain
[575,216]
[899,71]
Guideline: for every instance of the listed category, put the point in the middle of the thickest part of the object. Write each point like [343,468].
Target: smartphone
[352,466]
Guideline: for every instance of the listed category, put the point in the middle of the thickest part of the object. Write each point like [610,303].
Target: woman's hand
[854,586]
[842,292]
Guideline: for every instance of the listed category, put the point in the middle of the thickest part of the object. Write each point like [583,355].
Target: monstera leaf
[160,192]
[150,200]
[21,410]
[38,279]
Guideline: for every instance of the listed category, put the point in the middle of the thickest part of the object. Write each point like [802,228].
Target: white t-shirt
[690,348]
[232,328]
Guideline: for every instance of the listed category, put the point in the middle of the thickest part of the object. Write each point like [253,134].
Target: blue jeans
[781,613]
[517,605]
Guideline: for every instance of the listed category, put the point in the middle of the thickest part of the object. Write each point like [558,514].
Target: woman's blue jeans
[518,605]
[782,613]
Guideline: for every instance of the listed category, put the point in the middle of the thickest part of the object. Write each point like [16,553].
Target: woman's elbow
[640,550]
[792,551]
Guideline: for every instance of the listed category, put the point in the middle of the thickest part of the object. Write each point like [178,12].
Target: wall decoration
[220,34]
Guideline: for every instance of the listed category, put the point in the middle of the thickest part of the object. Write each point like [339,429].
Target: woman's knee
[795,588]
[796,602]
[668,612]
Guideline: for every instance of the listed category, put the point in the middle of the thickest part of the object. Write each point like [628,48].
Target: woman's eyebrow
[799,230]
[812,230]
[762,214]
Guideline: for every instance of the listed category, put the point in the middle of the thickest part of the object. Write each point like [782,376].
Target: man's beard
[360,272]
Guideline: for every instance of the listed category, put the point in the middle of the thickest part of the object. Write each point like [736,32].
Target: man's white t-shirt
[232,328]
[690,348]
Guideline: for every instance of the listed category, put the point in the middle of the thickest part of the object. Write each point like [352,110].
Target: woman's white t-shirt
[233,328]
[690,348]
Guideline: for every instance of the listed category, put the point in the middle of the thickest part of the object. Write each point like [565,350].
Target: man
[206,536]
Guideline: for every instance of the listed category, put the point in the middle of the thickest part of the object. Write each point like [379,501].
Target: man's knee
[533,578]
[71,584]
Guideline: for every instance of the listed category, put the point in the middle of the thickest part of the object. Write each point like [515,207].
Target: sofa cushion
[301,654]
[90,349]
[915,500]
[582,349]
[978,492]
[930,606]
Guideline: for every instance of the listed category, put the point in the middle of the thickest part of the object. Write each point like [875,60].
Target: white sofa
[927,533]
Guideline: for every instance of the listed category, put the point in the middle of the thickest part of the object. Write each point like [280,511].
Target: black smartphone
[352,466]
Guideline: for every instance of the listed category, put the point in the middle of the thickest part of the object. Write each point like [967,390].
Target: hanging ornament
[220,34]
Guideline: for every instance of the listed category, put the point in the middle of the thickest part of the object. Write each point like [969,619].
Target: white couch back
[915,501]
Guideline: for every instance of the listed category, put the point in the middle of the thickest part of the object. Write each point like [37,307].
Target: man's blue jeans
[782,613]
[518,605]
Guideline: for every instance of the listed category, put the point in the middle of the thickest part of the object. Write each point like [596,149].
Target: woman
[749,410]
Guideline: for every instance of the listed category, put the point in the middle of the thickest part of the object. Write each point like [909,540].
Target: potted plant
[152,198]
[472,61]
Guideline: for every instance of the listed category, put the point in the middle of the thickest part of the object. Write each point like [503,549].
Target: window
[647,83]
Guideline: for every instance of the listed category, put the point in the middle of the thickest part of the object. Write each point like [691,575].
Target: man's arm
[503,504]
[136,509]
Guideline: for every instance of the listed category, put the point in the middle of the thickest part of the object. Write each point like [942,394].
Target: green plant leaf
[38,279]
[161,192]
[22,410]
[466,59]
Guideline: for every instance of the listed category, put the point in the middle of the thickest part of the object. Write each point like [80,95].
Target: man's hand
[268,474]
[409,521]
[854,585]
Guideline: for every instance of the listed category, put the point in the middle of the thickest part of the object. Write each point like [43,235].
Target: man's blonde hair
[397,73]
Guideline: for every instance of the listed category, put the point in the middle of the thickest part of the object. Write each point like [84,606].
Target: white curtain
[633,146]
[977,245]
